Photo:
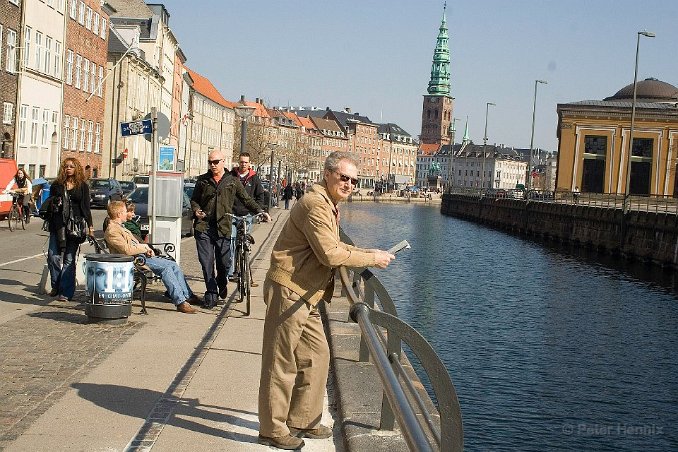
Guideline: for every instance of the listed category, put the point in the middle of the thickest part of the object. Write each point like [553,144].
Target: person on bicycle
[213,197]
[250,180]
[24,188]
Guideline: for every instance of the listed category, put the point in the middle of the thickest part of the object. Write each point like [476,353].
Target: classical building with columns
[593,142]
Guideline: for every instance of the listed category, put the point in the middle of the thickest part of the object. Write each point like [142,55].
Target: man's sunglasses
[345,178]
[214,162]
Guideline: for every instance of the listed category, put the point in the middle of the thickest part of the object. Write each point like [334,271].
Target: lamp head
[491,103]
[648,34]
[542,81]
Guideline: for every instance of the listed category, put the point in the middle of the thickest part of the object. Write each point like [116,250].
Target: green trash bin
[110,283]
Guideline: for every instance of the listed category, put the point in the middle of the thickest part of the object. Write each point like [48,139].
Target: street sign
[136,127]
[162,126]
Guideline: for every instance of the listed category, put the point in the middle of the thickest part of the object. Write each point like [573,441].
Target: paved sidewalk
[165,381]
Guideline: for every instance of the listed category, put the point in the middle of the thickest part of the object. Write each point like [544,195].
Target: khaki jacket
[308,249]
[122,241]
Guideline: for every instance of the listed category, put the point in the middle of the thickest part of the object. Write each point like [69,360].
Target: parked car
[103,191]
[188,188]
[127,187]
[140,199]
[142,180]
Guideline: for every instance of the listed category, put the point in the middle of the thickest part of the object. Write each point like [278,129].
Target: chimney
[347,110]
[242,98]
[257,100]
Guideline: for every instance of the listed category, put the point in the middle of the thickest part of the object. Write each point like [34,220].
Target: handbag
[76,228]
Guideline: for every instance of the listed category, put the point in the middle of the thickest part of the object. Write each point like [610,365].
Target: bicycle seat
[250,239]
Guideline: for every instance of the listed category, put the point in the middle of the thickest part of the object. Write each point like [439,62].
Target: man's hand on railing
[382,258]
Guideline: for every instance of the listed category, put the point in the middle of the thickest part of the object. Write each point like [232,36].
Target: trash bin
[110,282]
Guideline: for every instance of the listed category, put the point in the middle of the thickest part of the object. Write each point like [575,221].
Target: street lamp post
[534,112]
[243,111]
[270,177]
[627,188]
[482,176]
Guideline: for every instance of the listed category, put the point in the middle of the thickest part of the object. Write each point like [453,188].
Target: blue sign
[166,158]
[142,127]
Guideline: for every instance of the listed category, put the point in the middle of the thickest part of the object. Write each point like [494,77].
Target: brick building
[86,54]
[10,31]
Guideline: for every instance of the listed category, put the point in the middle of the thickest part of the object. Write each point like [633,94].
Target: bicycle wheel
[245,272]
[10,217]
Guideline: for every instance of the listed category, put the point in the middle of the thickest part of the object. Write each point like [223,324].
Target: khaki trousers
[294,363]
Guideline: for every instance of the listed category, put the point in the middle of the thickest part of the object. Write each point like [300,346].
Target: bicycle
[243,246]
[16,212]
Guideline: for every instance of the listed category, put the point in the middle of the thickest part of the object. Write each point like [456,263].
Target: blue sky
[375,56]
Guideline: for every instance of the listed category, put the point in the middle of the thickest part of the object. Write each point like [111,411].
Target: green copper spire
[440,69]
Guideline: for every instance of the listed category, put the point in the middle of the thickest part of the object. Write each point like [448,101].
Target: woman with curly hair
[70,199]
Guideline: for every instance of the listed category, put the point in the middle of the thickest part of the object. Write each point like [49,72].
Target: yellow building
[593,142]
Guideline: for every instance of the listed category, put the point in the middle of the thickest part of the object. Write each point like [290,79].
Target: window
[74,136]
[78,68]
[103,28]
[38,50]
[90,136]
[50,3]
[69,67]
[74,9]
[57,59]
[81,13]
[42,170]
[16,2]
[67,134]
[92,84]
[23,116]
[1,45]
[88,18]
[35,114]
[97,138]
[101,81]
[95,26]
[27,46]
[85,80]
[7,112]
[11,51]
[48,55]
[83,127]
[45,121]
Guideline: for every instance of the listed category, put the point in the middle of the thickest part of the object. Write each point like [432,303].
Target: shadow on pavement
[137,403]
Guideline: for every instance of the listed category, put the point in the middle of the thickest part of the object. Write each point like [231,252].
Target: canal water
[548,348]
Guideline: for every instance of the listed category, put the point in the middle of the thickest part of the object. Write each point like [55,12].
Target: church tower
[436,114]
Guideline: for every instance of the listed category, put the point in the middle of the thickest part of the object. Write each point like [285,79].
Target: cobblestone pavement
[42,354]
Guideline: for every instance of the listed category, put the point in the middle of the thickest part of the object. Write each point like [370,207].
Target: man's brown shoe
[320,432]
[186,308]
[288,442]
[194,300]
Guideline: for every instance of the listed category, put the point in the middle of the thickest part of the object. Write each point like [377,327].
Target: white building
[40,87]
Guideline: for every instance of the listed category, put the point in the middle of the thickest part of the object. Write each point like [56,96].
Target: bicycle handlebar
[243,218]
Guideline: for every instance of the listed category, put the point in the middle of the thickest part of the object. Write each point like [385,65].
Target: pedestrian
[120,240]
[575,195]
[298,191]
[295,354]
[288,193]
[250,180]
[212,199]
[69,198]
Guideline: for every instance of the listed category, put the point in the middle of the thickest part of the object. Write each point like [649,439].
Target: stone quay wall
[639,235]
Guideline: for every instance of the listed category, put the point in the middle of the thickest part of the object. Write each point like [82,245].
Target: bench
[142,274]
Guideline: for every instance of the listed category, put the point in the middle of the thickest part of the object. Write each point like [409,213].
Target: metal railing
[401,400]
[648,203]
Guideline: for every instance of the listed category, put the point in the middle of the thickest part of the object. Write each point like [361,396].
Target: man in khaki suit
[295,354]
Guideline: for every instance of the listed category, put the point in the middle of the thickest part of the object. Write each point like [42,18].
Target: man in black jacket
[212,199]
[250,180]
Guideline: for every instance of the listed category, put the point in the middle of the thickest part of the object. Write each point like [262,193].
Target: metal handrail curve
[387,363]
